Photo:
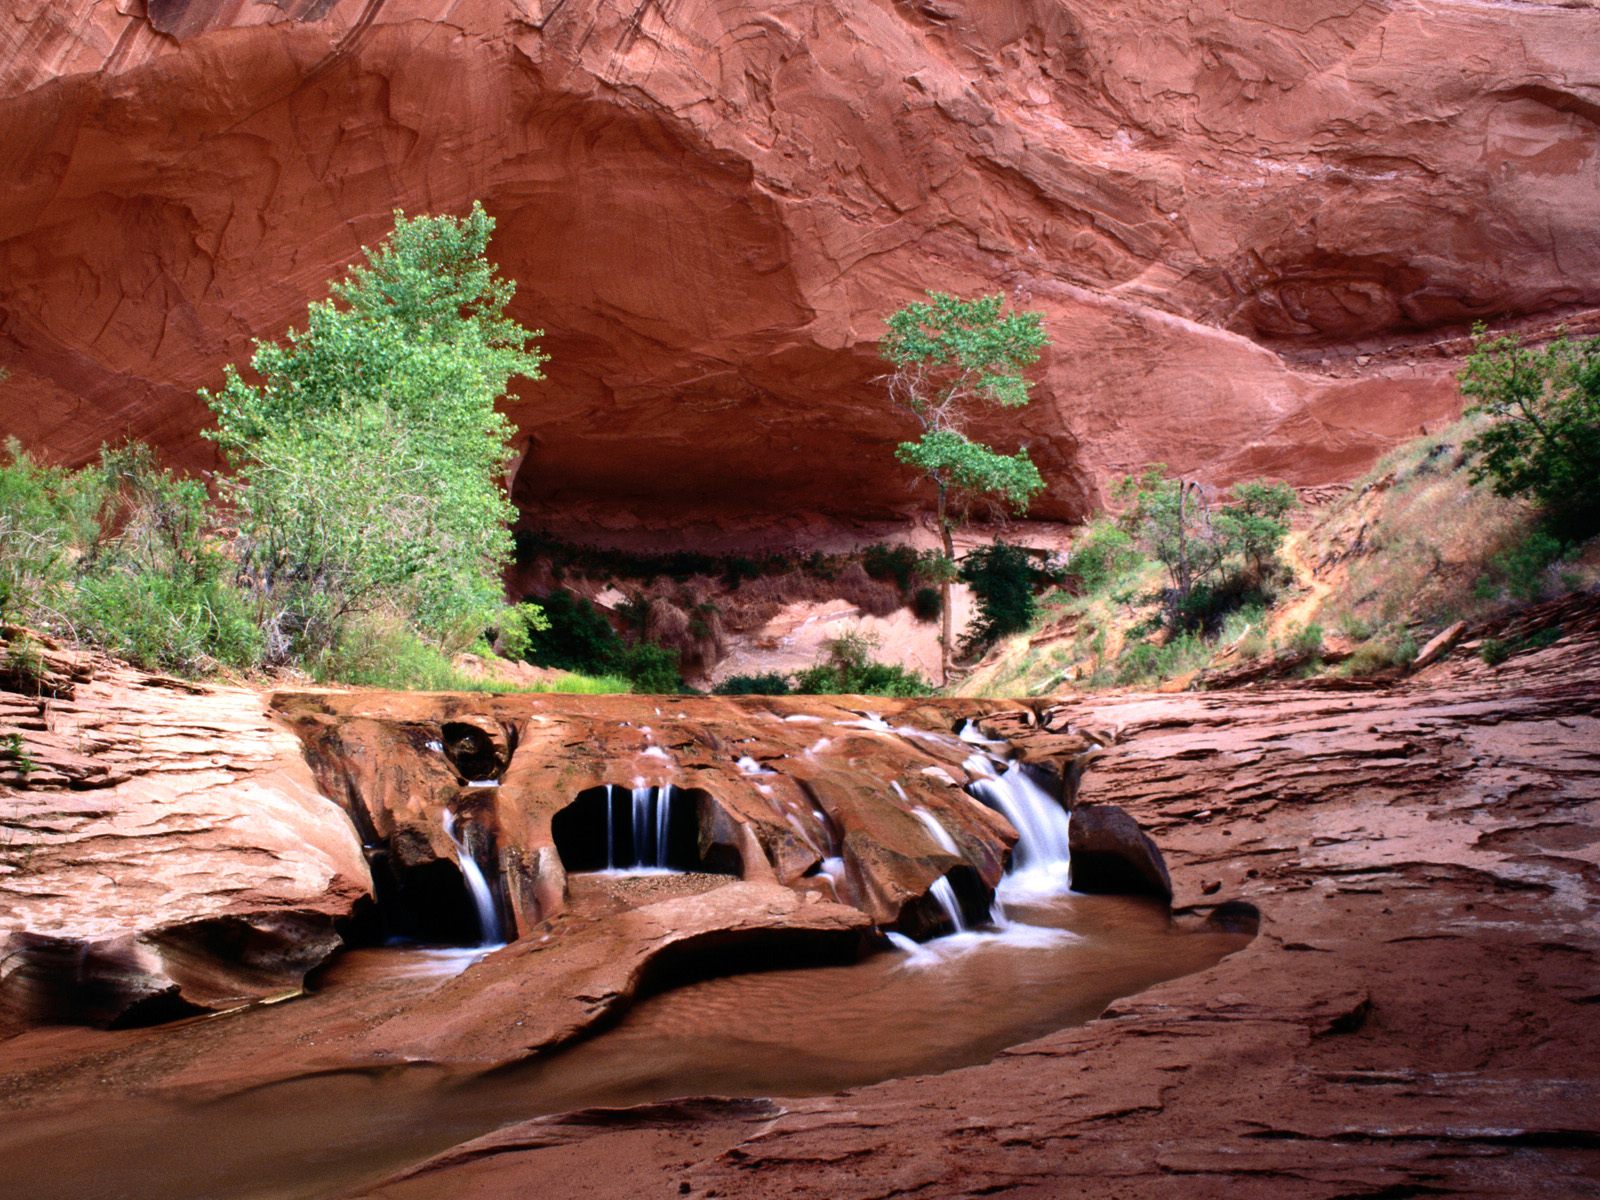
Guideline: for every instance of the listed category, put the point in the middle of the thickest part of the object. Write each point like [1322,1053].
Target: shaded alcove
[610,826]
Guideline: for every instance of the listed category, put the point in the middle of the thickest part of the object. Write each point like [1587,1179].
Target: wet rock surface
[1110,853]
[1416,1017]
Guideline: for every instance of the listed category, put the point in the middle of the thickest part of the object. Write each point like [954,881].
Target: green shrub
[1543,441]
[1002,579]
[13,751]
[1102,555]
[577,637]
[926,604]
[650,668]
[1307,640]
[515,627]
[368,463]
[49,520]
[1144,661]
[1524,566]
[1217,557]
[771,683]
[897,563]
[1494,651]
[168,623]
[849,669]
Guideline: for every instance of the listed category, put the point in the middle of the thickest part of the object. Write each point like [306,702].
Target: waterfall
[489,933]
[1043,855]
[611,826]
[946,896]
[652,828]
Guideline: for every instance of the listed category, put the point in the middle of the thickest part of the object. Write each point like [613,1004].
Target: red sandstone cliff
[1254,225]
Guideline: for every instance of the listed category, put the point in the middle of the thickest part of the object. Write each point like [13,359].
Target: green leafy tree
[368,461]
[1216,556]
[1254,523]
[952,358]
[1171,521]
[1544,439]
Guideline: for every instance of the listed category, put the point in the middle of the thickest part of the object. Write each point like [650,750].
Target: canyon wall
[1258,229]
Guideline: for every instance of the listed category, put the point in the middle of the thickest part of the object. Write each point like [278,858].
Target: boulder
[1110,853]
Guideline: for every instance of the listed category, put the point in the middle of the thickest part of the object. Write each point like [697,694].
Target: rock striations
[1263,225]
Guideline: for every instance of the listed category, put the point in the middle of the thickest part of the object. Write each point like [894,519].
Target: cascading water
[489,932]
[651,826]
[1042,860]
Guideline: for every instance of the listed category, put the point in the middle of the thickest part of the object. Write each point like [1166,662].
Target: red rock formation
[1249,224]
[163,844]
[1416,1017]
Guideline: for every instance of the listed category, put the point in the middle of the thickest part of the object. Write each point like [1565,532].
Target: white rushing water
[489,933]
[651,823]
[1042,860]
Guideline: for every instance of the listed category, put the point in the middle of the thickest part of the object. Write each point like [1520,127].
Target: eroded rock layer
[1254,227]
[163,847]
[1416,1017]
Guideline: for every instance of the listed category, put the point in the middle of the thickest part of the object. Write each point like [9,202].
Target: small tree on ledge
[951,357]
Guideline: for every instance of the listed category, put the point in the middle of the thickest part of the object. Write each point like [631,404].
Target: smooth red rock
[1254,228]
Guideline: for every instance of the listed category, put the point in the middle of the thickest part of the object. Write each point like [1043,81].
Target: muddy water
[777,1033]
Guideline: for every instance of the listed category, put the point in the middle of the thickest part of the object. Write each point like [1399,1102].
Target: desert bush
[1002,578]
[1101,555]
[1543,439]
[926,604]
[848,668]
[770,683]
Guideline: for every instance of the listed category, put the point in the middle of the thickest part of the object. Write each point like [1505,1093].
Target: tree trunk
[944,594]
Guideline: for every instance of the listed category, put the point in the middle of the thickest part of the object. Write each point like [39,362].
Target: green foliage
[1002,578]
[927,604]
[118,554]
[1544,439]
[49,520]
[1523,568]
[1307,640]
[13,751]
[605,562]
[368,462]
[973,347]
[1254,523]
[514,629]
[949,354]
[1145,661]
[650,668]
[1102,554]
[577,637]
[965,467]
[1216,557]
[849,669]
[771,683]
[167,622]
[898,563]
[1494,651]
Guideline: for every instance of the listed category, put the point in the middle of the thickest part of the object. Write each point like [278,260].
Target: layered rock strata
[1416,1017]
[1266,226]
[163,846]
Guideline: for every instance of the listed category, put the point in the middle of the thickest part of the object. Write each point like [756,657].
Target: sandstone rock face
[1415,1017]
[166,849]
[1257,224]
[817,794]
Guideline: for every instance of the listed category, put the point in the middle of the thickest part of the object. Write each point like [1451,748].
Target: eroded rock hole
[472,751]
[641,828]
